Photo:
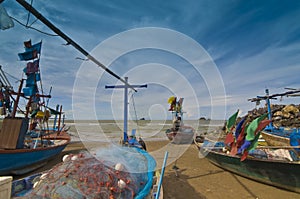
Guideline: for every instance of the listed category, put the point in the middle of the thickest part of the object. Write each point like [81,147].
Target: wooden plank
[13,132]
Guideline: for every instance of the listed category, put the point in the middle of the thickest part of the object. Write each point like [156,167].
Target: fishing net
[117,172]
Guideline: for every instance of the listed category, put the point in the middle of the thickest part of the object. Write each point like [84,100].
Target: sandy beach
[196,177]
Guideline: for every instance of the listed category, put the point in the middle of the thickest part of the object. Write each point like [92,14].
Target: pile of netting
[117,172]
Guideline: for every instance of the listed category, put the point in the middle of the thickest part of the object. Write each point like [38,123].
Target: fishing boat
[179,133]
[257,166]
[20,152]
[240,153]
[279,136]
[126,171]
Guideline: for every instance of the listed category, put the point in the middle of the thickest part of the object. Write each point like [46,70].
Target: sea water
[112,130]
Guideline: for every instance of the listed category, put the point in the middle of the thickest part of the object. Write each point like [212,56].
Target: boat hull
[185,135]
[275,140]
[21,161]
[285,175]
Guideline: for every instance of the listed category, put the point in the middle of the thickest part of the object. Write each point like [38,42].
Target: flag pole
[39,16]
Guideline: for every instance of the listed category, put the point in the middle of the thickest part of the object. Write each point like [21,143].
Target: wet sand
[196,177]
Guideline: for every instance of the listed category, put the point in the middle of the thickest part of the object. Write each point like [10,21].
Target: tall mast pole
[269,109]
[125,87]
[39,16]
[126,106]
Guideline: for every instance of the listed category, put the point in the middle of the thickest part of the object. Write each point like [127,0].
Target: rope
[26,26]
[136,118]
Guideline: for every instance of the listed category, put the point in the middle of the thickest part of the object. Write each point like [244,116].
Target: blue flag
[28,55]
[36,47]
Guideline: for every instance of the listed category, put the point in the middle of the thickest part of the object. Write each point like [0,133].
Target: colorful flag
[172,102]
[30,91]
[27,44]
[251,130]
[32,67]
[171,99]
[30,81]
[231,120]
[32,78]
[26,56]
[229,139]
[36,47]
[239,127]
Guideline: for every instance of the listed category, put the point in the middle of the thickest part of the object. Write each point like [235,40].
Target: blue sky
[244,48]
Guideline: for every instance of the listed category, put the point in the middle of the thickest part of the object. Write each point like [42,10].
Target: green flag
[253,126]
[231,120]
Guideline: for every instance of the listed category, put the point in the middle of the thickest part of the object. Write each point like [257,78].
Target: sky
[214,54]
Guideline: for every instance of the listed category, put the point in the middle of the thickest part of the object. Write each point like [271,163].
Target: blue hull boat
[20,161]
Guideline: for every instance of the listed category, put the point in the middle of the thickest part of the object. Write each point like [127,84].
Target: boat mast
[269,108]
[39,16]
[267,98]
[125,86]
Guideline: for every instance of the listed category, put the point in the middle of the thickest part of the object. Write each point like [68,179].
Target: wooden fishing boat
[279,173]
[241,154]
[24,160]
[184,135]
[274,139]
[19,151]
[179,133]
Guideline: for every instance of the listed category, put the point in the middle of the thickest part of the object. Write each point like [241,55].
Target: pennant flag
[231,120]
[32,67]
[37,77]
[36,47]
[32,78]
[180,101]
[28,55]
[172,102]
[27,44]
[239,127]
[179,105]
[245,146]
[254,143]
[261,126]
[234,149]
[30,81]
[253,126]
[252,146]
[229,139]
[171,99]
[29,91]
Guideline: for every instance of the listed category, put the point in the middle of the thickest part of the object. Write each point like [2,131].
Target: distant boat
[19,152]
[179,133]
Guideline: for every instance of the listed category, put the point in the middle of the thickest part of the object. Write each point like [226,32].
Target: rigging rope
[26,26]
[136,118]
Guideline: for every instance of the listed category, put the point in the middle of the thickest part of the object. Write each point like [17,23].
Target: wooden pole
[13,113]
